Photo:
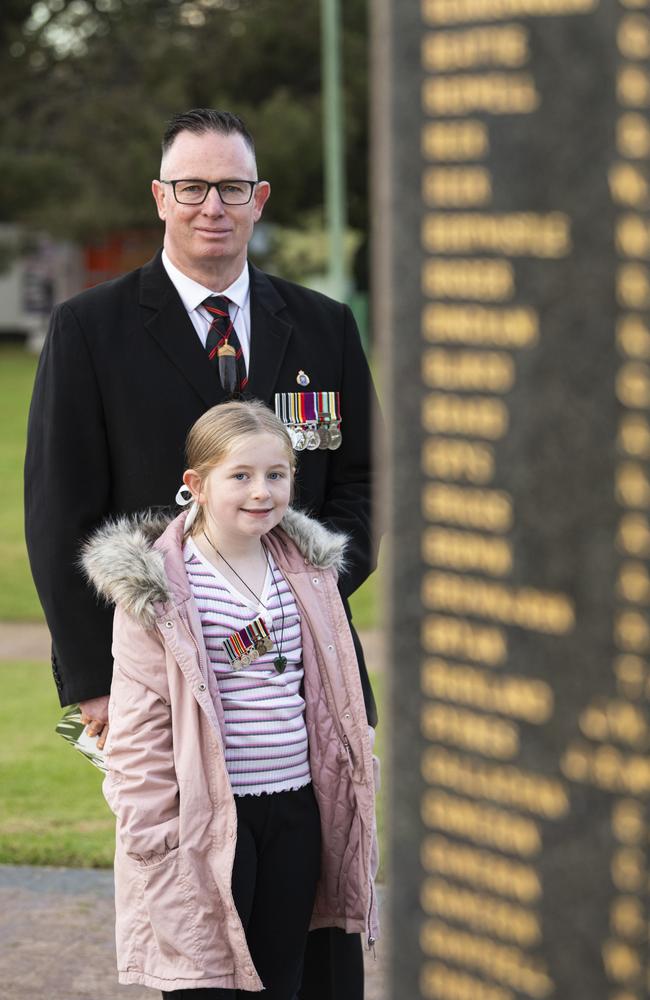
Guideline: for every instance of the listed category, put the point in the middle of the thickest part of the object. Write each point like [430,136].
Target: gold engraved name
[464,140]
[628,185]
[453,50]
[634,435]
[482,868]
[504,963]
[445,459]
[455,637]
[633,236]
[481,824]
[480,912]
[495,93]
[464,550]
[456,186]
[633,36]
[508,694]
[478,416]
[487,510]
[633,87]
[633,385]
[439,982]
[632,632]
[633,582]
[515,234]
[632,675]
[633,337]
[613,719]
[539,610]
[632,486]
[470,731]
[468,279]
[506,784]
[633,136]
[634,535]
[608,768]
[633,286]
[513,328]
[455,11]
[468,371]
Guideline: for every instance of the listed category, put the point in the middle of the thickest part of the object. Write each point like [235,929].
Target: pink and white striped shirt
[266,737]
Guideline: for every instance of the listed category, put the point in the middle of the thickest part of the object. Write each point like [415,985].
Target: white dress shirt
[193,294]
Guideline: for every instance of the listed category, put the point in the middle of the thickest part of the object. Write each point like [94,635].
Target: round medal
[245,660]
[323,437]
[268,645]
[335,438]
[302,378]
[313,440]
[300,439]
[253,654]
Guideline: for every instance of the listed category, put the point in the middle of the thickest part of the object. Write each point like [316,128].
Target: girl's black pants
[276,868]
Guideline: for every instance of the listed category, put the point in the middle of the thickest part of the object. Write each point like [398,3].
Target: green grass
[18,600]
[51,807]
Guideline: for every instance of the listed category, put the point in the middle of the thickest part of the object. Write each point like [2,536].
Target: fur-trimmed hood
[124,559]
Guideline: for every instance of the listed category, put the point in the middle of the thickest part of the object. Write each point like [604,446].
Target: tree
[86,86]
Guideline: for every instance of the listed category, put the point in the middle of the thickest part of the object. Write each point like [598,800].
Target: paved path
[56,938]
[31,641]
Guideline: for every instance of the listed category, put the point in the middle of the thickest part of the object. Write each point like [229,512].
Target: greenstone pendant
[280,663]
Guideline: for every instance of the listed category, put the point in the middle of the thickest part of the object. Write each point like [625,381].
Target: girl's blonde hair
[214,434]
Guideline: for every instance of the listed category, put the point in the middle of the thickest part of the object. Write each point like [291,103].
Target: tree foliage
[87,85]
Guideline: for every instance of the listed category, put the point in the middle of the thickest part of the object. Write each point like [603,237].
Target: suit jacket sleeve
[66,495]
[348,504]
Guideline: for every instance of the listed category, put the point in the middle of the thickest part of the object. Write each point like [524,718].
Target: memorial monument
[512,258]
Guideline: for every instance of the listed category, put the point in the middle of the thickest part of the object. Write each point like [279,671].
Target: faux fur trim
[124,568]
[321,546]
[120,561]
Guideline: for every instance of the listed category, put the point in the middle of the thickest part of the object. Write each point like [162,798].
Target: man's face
[211,236]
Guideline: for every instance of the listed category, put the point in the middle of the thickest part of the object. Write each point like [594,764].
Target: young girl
[239,757]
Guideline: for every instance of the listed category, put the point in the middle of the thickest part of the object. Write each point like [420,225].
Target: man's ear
[260,198]
[159,194]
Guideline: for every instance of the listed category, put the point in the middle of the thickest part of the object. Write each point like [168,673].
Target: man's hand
[94,715]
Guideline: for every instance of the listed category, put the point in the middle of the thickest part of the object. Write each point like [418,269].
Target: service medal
[302,378]
[335,438]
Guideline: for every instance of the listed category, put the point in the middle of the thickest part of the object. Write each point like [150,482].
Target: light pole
[333,147]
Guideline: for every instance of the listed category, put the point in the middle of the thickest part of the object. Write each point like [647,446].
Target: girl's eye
[239,475]
[275,475]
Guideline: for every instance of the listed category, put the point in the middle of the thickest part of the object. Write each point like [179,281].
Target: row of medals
[261,646]
[309,437]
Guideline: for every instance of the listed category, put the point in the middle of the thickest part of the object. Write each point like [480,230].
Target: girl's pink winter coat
[167,783]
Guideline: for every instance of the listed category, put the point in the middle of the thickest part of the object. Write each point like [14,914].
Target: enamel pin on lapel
[302,378]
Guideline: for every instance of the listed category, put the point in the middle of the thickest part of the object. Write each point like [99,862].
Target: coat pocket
[171,906]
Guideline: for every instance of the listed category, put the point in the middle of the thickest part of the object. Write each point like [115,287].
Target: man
[127,368]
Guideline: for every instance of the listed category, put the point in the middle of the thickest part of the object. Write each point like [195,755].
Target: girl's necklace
[280,661]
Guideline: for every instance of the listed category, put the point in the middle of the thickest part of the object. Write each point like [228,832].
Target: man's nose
[213,204]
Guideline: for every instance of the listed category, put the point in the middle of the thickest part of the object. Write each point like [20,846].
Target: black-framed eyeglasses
[194,192]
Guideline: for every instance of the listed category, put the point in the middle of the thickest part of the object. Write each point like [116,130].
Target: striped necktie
[223,347]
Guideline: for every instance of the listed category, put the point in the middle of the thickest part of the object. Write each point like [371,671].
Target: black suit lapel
[167,321]
[270,336]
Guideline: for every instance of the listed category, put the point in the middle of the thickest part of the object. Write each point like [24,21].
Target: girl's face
[248,492]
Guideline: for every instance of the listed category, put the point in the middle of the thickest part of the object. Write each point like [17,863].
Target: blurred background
[85,90]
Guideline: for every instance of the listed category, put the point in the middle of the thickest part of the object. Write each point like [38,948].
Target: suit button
[169,624]
[315,580]
[201,687]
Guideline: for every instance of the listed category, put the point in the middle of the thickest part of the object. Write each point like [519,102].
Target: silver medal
[313,440]
[335,438]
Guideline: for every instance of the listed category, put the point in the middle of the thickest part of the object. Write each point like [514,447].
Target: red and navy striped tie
[232,370]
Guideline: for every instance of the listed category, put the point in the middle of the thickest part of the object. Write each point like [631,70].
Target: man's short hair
[201,120]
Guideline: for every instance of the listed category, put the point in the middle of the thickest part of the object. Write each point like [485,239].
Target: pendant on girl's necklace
[280,663]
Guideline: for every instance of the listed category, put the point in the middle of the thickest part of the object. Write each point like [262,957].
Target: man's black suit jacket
[121,379]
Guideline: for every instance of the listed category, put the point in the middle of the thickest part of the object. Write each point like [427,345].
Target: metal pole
[333,146]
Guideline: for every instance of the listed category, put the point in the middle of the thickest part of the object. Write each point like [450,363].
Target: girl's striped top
[266,737]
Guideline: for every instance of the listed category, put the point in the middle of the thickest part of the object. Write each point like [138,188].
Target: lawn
[18,600]
[51,808]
